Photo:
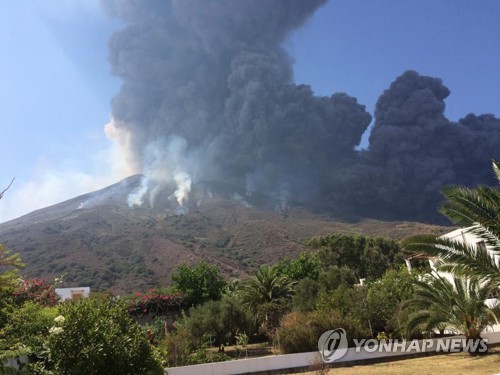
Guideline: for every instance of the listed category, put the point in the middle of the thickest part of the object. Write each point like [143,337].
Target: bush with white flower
[98,336]
[59,319]
[28,328]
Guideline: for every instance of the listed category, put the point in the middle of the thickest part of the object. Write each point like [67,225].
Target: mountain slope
[98,240]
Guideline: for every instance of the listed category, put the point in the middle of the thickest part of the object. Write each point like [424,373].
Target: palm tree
[478,210]
[458,305]
[267,294]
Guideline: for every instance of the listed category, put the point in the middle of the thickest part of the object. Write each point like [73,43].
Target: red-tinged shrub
[156,303]
[36,290]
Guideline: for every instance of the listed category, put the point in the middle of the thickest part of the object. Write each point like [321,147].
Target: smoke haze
[208,94]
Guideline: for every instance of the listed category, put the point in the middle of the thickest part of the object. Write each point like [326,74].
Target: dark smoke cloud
[214,75]
[415,150]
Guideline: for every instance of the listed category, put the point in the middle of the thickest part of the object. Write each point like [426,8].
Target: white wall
[289,361]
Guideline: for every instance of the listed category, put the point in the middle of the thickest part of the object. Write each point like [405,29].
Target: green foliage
[376,307]
[99,337]
[242,340]
[8,355]
[178,346]
[206,356]
[306,265]
[367,257]
[9,267]
[28,327]
[333,277]
[9,279]
[200,283]
[267,295]
[299,332]
[385,299]
[458,305]
[217,322]
[155,331]
[468,207]
[348,302]
[306,293]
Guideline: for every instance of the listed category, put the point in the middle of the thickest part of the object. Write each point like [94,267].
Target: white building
[73,293]
[462,235]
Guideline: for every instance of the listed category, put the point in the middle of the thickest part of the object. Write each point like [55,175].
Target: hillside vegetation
[97,240]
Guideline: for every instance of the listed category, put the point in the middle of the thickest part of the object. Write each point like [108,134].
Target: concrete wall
[291,361]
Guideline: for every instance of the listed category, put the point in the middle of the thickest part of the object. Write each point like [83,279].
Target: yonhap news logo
[333,345]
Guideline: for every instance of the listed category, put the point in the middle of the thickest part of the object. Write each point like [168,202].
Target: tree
[200,283]
[385,299]
[306,294]
[367,257]
[306,265]
[9,265]
[333,277]
[458,305]
[97,336]
[478,210]
[267,294]
[9,280]
[217,322]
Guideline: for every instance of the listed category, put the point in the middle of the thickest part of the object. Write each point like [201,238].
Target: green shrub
[205,356]
[155,331]
[305,295]
[299,332]
[178,346]
[99,337]
[28,327]
[217,322]
[200,283]
[333,277]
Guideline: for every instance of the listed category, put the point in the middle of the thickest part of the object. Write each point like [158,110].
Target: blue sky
[55,83]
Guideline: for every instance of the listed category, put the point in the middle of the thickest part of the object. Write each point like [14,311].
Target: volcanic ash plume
[210,80]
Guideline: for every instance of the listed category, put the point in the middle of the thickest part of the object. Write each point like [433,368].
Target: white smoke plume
[136,198]
[183,182]
[238,198]
[166,163]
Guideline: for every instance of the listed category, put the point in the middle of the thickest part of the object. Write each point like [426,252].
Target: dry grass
[457,363]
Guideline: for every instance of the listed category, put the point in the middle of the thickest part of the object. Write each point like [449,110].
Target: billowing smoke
[415,150]
[208,94]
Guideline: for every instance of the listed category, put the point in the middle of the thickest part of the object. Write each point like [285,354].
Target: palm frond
[456,257]
[470,207]
[496,169]
[458,304]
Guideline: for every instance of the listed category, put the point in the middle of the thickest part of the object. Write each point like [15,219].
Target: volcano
[101,241]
